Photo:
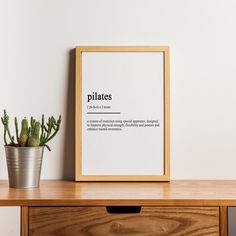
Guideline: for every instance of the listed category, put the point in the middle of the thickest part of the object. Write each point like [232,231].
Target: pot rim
[13,147]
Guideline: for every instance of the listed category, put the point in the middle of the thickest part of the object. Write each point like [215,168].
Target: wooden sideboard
[115,209]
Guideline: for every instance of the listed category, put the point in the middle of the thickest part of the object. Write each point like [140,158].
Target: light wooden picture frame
[98,70]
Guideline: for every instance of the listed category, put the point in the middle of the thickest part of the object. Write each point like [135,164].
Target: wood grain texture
[167,113]
[24,221]
[95,221]
[128,178]
[68,193]
[78,108]
[122,48]
[78,113]
[224,221]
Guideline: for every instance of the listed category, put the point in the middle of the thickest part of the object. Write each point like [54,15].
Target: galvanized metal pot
[24,166]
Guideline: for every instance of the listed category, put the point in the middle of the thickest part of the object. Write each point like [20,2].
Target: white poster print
[122,113]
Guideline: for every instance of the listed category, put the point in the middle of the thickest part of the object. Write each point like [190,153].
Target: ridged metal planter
[24,166]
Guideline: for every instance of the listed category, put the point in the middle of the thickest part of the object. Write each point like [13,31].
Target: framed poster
[122,113]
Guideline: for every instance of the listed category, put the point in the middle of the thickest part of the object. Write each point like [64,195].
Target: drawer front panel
[10,221]
[97,221]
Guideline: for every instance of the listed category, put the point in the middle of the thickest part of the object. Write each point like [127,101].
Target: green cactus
[33,134]
[17,131]
[5,122]
[49,130]
[24,134]
[34,139]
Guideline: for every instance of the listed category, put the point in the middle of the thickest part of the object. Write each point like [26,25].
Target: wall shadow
[69,119]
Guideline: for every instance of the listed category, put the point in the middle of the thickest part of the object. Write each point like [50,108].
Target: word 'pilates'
[96,96]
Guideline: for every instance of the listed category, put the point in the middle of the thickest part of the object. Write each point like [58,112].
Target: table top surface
[178,192]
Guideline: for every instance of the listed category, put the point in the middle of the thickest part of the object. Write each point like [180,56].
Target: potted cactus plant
[24,151]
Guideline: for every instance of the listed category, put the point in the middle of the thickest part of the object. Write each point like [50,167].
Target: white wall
[36,71]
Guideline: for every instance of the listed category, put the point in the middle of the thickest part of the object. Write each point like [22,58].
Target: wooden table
[152,208]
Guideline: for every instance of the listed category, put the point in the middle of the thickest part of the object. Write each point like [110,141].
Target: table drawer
[119,221]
